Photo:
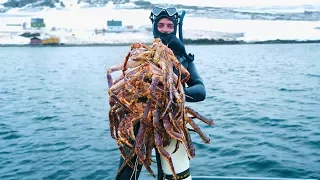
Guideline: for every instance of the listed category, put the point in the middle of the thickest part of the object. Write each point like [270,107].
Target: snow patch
[77,25]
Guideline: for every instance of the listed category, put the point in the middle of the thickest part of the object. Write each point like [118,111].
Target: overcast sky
[240,2]
[262,2]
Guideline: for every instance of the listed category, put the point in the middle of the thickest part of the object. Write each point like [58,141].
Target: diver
[165,23]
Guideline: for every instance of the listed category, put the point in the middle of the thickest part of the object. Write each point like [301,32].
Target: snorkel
[181,17]
[189,56]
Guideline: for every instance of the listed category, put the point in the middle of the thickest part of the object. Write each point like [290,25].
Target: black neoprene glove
[175,45]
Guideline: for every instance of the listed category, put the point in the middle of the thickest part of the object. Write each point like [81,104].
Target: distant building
[114,25]
[37,23]
[35,41]
[51,41]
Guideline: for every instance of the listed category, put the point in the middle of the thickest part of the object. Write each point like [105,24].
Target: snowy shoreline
[76,27]
[198,42]
[222,32]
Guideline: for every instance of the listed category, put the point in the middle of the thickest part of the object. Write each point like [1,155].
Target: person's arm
[195,91]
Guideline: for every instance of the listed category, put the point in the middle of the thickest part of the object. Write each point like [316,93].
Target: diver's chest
[185,64]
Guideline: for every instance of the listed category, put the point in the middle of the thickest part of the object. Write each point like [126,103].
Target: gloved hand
[175,45]
[173,42]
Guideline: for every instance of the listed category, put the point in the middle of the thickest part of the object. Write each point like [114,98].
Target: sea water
[265,100]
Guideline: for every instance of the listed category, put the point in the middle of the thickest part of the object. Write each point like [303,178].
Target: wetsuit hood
[156,33]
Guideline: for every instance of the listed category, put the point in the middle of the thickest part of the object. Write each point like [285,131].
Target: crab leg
[198,130]
[111,70]
[118,101]
[189,146]
[197,115]
[170,84]
[169,129]
[112,120]
[138,148]
[163,152]
[127,161]
[177,64]
[153,85]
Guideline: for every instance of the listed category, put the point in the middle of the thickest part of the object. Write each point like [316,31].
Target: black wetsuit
[194,91]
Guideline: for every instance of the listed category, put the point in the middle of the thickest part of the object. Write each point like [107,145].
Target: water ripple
[46,118]
[313,75]
[11,137]
[98,174]
[291,90]
[59,174]
[264,100]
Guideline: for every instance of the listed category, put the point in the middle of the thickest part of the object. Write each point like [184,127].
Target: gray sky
[214,3]
[263,2]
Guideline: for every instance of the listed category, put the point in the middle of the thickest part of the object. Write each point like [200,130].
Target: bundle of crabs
[148,94]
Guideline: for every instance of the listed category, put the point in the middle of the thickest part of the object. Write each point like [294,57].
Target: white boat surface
[242,178]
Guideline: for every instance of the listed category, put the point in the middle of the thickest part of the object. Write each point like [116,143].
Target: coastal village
[82,26]
[112,22]
[36,32]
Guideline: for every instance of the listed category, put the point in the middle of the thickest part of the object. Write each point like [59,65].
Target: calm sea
[265,100]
